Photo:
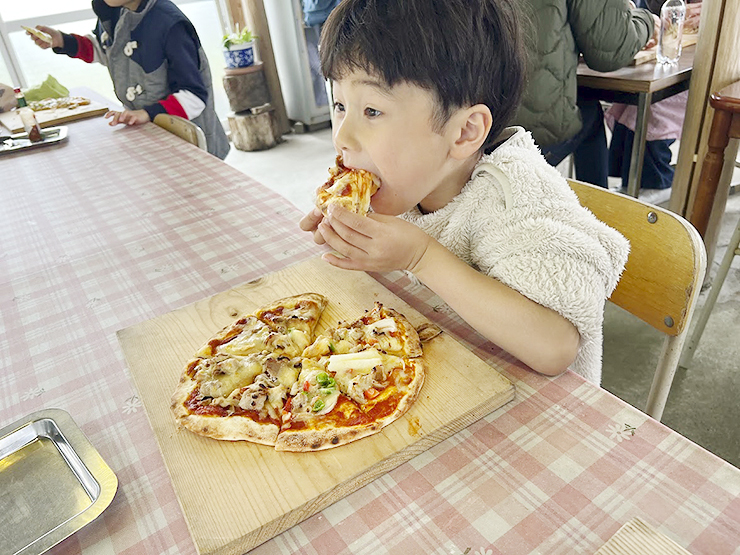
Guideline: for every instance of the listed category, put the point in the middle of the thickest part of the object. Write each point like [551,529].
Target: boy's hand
[56,37]
[310,222]
[375,243]
[128,117]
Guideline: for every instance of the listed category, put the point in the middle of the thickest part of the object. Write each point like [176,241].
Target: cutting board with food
[52,112]
[237,494]
[650,54]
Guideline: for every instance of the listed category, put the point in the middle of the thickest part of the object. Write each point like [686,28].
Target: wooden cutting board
[644,56]
[236,495]
[49,118]
[636,537]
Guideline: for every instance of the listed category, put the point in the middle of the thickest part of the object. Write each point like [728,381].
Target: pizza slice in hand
[349,188]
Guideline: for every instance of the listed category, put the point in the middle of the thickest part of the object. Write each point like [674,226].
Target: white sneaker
[655,196]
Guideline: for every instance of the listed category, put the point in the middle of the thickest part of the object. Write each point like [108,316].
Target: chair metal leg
[706,311]
[663,377]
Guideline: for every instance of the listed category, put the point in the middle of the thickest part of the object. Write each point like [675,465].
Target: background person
[315,13]
[664,127]
[608,33]
[155,60]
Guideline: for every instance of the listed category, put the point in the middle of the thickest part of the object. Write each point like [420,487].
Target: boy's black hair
[465,52]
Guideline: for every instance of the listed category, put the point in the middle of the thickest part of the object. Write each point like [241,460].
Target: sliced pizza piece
[349,188]
[383,385]
[382,328]
[285,326]
[318,416]
[296,316]
[332,409]
[235,397]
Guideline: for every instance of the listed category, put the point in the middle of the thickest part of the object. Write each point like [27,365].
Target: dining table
[640,85]
[116,226]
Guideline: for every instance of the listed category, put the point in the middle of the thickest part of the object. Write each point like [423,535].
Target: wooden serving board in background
[49,118]
[236,495]
[644,56]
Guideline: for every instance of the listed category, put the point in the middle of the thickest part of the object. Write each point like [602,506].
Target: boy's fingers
[352,227]
[311,220]
[344,240]
[318,238]
[349,219]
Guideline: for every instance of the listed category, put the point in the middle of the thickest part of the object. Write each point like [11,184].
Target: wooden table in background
[118,226]
[725,126]
[640,85]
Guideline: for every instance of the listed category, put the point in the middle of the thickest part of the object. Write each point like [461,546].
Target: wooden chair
[183,128]
[662,278]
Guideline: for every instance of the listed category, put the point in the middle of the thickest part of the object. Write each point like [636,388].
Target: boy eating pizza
[423,92]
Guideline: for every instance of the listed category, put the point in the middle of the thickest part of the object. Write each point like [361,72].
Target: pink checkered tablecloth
[118,226]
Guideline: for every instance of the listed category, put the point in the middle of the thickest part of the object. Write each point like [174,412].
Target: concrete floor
[703,404]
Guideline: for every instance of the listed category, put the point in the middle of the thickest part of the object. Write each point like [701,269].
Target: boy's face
[389,131]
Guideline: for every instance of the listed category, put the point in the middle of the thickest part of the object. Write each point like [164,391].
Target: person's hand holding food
[45,37]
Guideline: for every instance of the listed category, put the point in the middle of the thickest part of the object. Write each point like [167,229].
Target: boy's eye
[338,107]
[372,112]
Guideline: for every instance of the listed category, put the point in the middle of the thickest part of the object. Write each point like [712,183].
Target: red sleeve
[173,107]
[85,49]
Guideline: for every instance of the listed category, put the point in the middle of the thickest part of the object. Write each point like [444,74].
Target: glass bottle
[30,124]
[672,16]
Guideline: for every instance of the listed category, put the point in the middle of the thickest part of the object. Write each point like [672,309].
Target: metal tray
[52,482]
[20,141]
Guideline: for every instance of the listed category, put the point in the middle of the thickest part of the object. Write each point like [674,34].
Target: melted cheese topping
[219,377]
[252,338]
[311,397]
[361,375]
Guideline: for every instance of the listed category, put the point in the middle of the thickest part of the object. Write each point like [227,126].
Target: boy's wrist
[154,109]
[70,46]
[425,258]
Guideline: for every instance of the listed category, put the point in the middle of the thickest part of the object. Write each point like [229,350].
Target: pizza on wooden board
[267,379]
[65,102]
[349,188]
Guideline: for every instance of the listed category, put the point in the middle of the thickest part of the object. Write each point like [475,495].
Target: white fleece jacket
[518,220]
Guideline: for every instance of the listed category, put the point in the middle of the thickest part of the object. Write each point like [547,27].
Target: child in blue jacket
[155,60]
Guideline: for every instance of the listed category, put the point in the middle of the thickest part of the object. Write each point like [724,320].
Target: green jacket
[608,34]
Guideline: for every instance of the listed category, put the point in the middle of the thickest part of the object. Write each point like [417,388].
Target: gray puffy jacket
[608,34]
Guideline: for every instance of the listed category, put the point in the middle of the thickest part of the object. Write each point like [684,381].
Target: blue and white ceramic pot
[240,55]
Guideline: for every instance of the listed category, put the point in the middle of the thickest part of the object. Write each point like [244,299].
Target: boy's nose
[344,137]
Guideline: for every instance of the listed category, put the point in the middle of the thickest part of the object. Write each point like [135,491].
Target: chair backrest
[662,277]
[183,128]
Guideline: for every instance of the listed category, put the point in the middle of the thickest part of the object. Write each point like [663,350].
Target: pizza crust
[232,428]
[318,440]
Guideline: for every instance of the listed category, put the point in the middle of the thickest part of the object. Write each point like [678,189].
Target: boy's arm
[538,336]
[183,75]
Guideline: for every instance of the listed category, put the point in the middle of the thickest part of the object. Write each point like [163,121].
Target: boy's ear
[470,129]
